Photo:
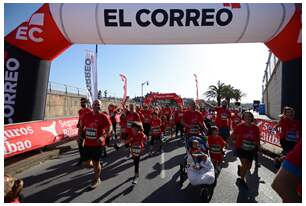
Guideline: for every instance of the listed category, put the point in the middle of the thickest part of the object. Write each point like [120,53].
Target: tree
[215,92]
[228,93]
[105,93]
[238,94]
[99,94]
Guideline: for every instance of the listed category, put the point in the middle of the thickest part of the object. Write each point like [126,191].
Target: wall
[61,104]
[273,93]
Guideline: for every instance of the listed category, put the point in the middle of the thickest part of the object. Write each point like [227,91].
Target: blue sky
[167,68]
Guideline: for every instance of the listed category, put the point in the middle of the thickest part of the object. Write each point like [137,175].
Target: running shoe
[95,183]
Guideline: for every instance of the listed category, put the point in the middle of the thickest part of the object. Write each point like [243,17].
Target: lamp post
[147,83]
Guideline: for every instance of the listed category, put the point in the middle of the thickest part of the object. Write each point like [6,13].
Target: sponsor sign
[24,137]
[268,133]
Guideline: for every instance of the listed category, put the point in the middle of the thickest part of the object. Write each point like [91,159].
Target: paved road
[58,180]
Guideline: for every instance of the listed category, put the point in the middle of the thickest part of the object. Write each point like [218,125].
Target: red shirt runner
[94,127]
[290,129]
[223,117]
[193,120]
[216,145]
[156,127]
[178,116]
[147,116]
[247,137]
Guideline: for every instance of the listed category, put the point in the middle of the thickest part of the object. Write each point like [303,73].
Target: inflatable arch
[30,48]
[159,96]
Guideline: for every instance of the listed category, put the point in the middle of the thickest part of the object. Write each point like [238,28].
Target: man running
[223,120]
[178,116]
[95,126]
[147,118]
[193,121]
[82,112]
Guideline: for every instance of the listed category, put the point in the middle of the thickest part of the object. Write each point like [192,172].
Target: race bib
[215,149]
[129,124]
[292,136]
[146,120]
[181,114]
[156,130]
[91,133]
[248,145]
[136,150]
[223,117]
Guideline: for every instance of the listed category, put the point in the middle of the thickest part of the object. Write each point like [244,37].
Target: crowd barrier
[267,132]
[27,136]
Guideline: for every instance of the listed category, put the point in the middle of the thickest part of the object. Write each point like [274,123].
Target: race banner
[197,91]
[268,133]
[91,76]
[24,137]
[124,79]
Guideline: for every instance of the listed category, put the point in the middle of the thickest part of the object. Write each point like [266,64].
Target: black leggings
[153,139]
[136,164]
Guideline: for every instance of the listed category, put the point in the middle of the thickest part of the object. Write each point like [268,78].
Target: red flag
[124,79]
[196,80]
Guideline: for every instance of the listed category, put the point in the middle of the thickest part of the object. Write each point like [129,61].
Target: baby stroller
[203,176]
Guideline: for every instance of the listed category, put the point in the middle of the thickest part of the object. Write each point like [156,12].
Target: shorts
[287,146]
[92,153]
[243,154]
[224,132]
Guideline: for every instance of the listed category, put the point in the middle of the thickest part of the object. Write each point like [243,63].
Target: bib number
[91,133]
[136,150]
[248,145]
[156,130]
[215,149]
[291,136]
[129,124]
[223,116]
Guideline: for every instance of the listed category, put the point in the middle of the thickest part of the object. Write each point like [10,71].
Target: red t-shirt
[247,137]
[204,114]
[167,112]
[216,145]
[83,111]
[193,120]
[112,113]
[147,116]
[236,119]
[94,127]
[138,139]
[156,126]
[290,129]
[123,126]
[178,116]
[132,117]
[223,117]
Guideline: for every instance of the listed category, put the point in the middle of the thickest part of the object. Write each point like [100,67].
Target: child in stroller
[198,167]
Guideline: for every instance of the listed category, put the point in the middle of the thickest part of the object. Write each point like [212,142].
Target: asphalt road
[58,180]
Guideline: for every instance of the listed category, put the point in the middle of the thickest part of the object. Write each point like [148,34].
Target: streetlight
[146,82]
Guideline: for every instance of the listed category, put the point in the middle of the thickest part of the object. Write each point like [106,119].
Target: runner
[216,145]
[123,129]
[290,130]
[156,131]
[112,112]
[247,137]
[137,140]
[82,112]
[288,180]
[178,116]
[235,119]
[193,122]
[147,117]
[96,126]
[131,117]
[223,120]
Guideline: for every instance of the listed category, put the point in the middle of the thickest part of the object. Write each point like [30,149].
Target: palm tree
[215,92]
[238,94]
[228,93]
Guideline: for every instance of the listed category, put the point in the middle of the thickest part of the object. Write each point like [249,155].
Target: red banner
[197,91]
[124,79]
[24,137]
[268,133]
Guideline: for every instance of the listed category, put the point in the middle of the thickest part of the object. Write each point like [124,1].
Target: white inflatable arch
[54,27]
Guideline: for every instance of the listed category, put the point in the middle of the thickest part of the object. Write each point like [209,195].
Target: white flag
[91,77]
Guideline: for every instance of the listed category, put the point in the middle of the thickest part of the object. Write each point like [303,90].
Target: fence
[67,89]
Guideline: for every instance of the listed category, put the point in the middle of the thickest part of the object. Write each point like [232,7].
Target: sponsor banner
[160,96]
[268,133]
[91,74]
[24,137]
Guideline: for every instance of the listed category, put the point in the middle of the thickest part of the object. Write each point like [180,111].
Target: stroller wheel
[205,194]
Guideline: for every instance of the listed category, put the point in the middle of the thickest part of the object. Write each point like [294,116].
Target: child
[12,189]
[216,145]
[137,141]
[197,153]
[156,131]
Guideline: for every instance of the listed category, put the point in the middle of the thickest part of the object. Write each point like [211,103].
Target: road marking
[162,162]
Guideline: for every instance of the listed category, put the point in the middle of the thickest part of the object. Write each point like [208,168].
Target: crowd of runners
[144,130]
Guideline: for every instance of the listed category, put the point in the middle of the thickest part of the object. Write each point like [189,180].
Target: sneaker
[135,180]
[238,171]
[95,183]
